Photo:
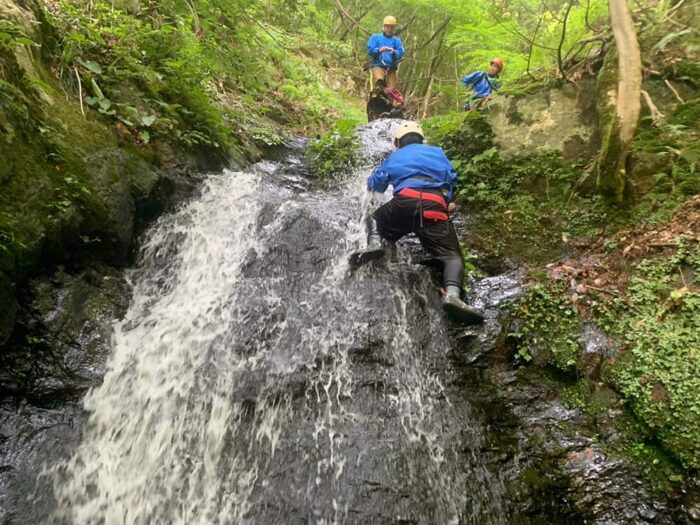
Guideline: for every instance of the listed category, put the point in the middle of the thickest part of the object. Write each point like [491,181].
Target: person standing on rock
[424,184]
[386,50]
[483,84]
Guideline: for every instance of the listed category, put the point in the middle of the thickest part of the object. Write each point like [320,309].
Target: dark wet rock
[30,437]
[596,349]
[556,441]
[610,490]
[66,325]
[511,450]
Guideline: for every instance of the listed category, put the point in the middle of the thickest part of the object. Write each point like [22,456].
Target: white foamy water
[235,394]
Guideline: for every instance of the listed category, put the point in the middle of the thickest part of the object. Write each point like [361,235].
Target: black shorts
[402,215]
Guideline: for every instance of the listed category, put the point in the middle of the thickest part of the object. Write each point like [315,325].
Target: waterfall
[256,379]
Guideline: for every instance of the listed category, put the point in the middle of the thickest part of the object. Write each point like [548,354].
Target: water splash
[255,379]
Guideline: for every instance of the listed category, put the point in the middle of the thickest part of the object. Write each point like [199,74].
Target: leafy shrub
[659,374]
[549,328]
[337,154]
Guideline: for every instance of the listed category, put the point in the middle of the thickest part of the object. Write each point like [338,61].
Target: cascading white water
[255,379]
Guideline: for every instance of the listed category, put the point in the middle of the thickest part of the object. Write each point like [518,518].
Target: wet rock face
[348,395]
[554,467]
[552,458]
[58,351]
[64,332]
[596,349]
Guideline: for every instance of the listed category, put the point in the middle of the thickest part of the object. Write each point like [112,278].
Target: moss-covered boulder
[560,119]
[73,187]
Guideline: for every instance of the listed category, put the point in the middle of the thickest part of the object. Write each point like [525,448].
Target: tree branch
[673,90]
[344,13]
[561,41]
[656,115]
[532,46]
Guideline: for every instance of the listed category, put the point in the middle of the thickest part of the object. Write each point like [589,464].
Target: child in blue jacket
[483,83]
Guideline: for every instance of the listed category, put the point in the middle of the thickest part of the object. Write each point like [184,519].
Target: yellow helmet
[389,21]
[406,127]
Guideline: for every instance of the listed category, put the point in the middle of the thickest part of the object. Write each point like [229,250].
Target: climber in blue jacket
[386,50]
[483,83]
[424,184]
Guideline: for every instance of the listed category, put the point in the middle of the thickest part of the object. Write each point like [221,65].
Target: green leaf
[144,136]
[91,66]
[661,44]
[148,120]
[105,103]
[24,41]
[91,101]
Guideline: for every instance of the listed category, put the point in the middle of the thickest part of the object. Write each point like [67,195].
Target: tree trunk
[619,103]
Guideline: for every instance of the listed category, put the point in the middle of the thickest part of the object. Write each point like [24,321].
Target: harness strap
[414,194]
[435,215]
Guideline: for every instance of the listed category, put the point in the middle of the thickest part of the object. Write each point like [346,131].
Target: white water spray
[234,393]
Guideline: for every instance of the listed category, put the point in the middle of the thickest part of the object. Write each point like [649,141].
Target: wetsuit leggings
[402,215]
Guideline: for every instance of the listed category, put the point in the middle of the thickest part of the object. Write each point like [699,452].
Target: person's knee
[453,271]
[454,261]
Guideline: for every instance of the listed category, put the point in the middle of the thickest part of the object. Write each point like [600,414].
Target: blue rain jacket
[482,83]
[415,160]
[385,59]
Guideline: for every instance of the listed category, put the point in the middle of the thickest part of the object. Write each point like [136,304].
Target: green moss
[518,198]
[659,374]
[687,114]
[619,433]
[461,135]
[688,69]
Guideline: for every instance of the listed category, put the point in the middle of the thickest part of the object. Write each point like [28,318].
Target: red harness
[428,214]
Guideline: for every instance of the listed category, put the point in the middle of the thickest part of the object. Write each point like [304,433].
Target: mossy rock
[646,168]
[461,135]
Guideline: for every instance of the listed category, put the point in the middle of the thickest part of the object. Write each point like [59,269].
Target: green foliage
[336,154]
[173,71]
[671,155]
[659,373]
[534,38]
[548,328]
[11,36]
[516,197]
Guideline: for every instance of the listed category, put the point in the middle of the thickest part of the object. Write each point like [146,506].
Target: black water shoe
[361,257]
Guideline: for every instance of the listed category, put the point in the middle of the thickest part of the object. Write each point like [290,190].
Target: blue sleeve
[470,78]
[398,49]
[496,85]
[451,175]
[373,46]
[379,180]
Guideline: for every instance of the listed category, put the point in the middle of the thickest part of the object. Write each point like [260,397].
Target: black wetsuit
[424,214]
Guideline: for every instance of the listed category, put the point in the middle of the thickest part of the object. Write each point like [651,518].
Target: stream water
[256,379]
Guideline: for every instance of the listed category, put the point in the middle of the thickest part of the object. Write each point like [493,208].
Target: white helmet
[406,127]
